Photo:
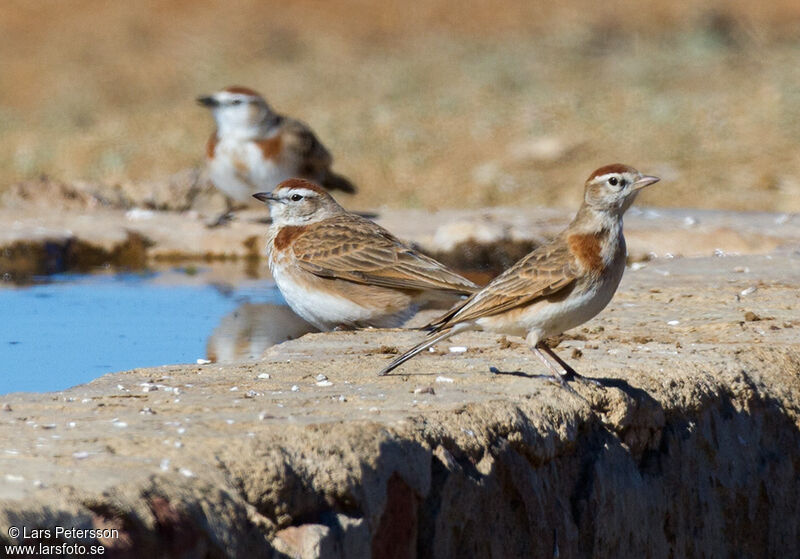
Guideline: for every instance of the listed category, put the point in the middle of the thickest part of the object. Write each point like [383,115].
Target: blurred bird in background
[254,148]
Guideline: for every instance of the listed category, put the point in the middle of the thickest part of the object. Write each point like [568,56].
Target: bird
[338,270]
[253,148]
[558,286]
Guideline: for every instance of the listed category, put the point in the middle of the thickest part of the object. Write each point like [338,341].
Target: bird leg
[558,377]
[569,372]
[225,217]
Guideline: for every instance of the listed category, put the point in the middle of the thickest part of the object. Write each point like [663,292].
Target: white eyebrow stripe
[302,191]
[603,178]
[624,176]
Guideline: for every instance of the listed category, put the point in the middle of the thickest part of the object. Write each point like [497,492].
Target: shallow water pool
[71,329]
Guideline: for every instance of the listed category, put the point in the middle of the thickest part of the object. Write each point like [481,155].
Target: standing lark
[559,285]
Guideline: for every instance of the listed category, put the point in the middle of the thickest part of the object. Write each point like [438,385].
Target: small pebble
[750,316]
[424,390]
[321,377]
[186,472]
[203,361]
[324,383]
[80,455]
[295,388]
[457,349]
[748,291]
[674,322]
[441,378]
[264,375]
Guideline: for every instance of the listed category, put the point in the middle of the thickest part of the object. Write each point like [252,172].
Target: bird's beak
[208,101]
[265,197]
[644,181]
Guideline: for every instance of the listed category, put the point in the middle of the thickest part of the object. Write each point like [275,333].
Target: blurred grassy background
[432,104]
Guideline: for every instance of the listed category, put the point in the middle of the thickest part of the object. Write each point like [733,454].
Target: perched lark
[340,270]
[559,285]
[254,148]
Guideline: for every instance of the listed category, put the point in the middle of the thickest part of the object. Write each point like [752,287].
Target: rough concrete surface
[691,447]
[38,238]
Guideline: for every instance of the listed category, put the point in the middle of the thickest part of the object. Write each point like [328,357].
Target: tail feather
[433,338]
[332,181]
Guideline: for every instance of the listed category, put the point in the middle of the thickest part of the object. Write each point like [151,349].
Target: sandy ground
[440,106]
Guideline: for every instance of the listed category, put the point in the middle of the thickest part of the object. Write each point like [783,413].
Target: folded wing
[355,249]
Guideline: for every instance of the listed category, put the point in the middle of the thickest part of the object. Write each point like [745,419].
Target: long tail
[332,181]
[433,338]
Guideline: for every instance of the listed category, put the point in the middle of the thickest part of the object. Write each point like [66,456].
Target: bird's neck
[237,130]
[595,237]
[591,221]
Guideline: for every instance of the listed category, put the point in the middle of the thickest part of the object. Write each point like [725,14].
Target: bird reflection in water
[249,330]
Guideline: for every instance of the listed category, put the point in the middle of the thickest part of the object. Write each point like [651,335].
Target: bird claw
[223,219]
[572,375]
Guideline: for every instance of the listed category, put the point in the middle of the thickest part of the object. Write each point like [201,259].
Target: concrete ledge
[692,448]
[40,241]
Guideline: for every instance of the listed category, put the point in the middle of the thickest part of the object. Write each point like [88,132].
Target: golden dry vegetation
[423,104]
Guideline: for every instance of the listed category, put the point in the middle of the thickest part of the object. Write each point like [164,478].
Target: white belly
[239,170]
[327,311]
[544,319]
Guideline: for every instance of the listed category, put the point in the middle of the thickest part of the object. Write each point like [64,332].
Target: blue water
[75,328]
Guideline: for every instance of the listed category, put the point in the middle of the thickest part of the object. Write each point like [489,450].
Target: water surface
[72,329]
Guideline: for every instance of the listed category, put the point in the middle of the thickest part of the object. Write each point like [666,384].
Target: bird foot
[223,219]
[572,375]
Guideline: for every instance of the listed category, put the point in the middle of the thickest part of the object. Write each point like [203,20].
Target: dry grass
[429,104]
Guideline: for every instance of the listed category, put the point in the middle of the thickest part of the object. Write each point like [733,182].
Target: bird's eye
[296,197]
[613,181]
[236,102]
